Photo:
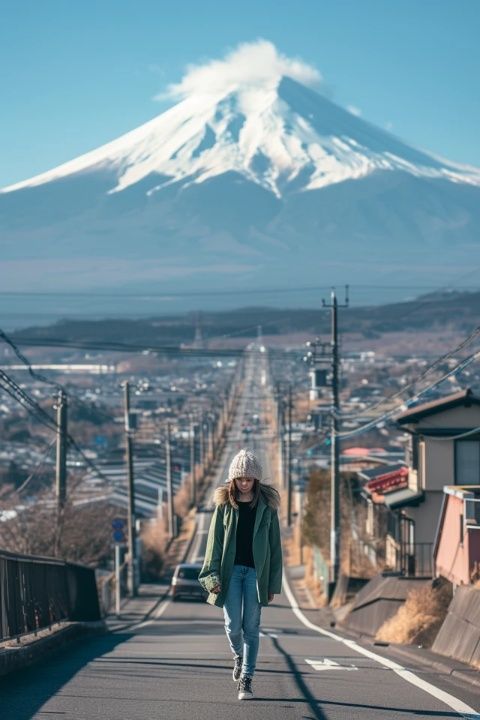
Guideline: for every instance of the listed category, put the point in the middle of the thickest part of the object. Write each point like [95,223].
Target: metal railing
[410,559]
[37,592]
[417,560]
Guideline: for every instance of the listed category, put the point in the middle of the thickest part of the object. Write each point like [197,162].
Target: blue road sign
[118,523]
[118,536]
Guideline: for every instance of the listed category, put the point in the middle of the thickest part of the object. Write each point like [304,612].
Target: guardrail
[36,592]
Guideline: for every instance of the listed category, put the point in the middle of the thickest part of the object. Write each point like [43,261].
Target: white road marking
[450,700]
[327,664]
[159,612]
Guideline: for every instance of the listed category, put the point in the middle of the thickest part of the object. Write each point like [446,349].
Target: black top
[244,546]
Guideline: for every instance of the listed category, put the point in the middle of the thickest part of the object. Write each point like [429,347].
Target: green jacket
[221,546]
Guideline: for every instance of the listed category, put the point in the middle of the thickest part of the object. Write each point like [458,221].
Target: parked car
[185,582]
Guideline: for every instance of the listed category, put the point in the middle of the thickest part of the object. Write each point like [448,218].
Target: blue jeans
[242,612]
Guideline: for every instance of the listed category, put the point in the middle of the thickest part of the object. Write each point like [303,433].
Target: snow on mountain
[251,177]
[263,125]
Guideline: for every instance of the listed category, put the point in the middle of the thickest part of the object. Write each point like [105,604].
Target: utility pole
[131,495]
[335,447]
[280,430]
[283,439]
[211,435]
[61,457]
[192,461]
[168,449]
[203,444]
[289,459]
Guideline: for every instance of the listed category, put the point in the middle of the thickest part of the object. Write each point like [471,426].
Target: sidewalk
[135,610]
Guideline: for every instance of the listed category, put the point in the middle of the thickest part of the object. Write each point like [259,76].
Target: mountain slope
[288,138]
[239,188]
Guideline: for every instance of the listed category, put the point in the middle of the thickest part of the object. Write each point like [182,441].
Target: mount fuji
[251,180]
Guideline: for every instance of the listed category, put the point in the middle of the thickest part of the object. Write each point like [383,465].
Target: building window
[467,462]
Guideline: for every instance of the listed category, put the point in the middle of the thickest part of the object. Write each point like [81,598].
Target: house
[406,500]
[457,545]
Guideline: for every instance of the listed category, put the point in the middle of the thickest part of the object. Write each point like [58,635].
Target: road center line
[454,703]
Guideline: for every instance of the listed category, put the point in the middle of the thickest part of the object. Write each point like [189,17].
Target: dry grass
[291,550]
[154,538]
[419,618]
[182,499]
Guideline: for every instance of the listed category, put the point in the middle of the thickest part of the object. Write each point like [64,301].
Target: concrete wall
[459,636]
[378,601]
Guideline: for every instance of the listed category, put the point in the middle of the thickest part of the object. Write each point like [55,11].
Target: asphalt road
[177,666]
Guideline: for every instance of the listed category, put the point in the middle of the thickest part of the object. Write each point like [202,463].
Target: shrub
[419,619]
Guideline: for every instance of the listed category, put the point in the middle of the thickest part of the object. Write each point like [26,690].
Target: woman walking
[242,570]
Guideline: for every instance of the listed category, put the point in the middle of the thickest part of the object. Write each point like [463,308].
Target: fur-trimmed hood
[269,494]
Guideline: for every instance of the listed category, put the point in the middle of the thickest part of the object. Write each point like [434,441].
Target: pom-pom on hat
[245,464]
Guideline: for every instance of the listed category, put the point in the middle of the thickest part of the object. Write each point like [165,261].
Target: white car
[185,582]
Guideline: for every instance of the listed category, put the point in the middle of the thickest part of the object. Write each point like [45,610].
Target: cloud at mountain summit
[258,64]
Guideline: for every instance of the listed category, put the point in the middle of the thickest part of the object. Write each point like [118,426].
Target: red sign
[390,481]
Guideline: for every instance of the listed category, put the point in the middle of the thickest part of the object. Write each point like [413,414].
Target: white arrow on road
[327,664]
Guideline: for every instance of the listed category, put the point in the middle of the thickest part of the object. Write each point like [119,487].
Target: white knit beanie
[245,464]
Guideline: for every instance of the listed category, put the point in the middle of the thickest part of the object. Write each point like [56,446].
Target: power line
[456,437]
[427,370]
[201,293]
[167,294]
[27,402]
[174,350]
[387,416]
[25,361]
[14,390]
[37,468]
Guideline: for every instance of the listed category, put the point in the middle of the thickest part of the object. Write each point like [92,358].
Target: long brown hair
[233,493]
[226,494]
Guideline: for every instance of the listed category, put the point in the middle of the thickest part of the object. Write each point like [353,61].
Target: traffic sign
[118,536]
[118,523]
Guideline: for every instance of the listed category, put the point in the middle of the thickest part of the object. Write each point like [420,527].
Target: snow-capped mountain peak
[254,114]
[251,179]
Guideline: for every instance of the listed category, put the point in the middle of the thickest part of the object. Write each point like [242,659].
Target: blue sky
[75,75]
